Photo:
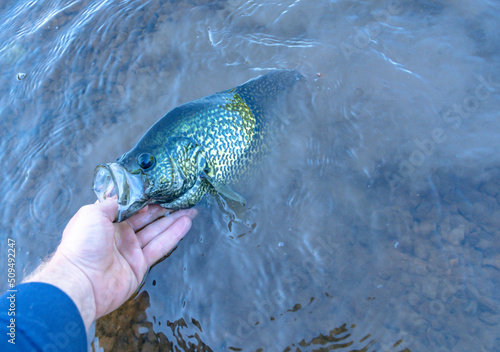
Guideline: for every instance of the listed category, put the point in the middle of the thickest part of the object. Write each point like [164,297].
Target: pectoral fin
[224,189]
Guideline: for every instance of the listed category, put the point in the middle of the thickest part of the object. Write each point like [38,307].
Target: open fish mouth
[112,180]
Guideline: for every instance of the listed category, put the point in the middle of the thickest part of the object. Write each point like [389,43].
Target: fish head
[137,179]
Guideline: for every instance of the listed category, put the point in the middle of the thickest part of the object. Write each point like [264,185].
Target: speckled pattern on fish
[201,146]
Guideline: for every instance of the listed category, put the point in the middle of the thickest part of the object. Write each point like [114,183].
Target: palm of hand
[116,257]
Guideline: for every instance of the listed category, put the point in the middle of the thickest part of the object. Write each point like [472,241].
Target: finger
[162,244]
[143,210]
[108,208]
[147,234]
[142,218]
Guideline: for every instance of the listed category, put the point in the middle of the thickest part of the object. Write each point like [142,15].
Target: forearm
[37,316]
[62,273]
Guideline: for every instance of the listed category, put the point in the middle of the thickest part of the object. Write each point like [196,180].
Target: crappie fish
[199,147]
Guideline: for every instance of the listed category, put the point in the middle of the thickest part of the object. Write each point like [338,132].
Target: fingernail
[185,230]
[192,214]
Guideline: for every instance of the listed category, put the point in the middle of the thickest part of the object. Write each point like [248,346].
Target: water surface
[373,224]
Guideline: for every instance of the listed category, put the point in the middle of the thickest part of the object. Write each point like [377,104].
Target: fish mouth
[113,180]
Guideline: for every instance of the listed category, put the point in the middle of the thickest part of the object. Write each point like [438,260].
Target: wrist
[66,276]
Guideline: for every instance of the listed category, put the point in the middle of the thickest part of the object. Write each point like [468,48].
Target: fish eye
[145,160]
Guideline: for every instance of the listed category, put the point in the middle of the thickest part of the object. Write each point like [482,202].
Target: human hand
[100,264]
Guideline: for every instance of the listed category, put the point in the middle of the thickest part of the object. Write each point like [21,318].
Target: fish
[201,147]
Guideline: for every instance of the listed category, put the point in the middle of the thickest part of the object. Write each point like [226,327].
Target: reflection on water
[373,223]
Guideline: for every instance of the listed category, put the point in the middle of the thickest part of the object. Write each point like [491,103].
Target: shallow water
[372,225]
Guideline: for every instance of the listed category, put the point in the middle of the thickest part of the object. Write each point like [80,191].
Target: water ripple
[271,40]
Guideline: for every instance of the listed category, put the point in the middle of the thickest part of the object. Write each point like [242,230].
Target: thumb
[109,208]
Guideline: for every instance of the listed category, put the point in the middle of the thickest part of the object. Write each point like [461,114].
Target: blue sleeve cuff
[40,317]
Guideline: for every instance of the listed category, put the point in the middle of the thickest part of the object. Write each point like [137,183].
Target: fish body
[201,146]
